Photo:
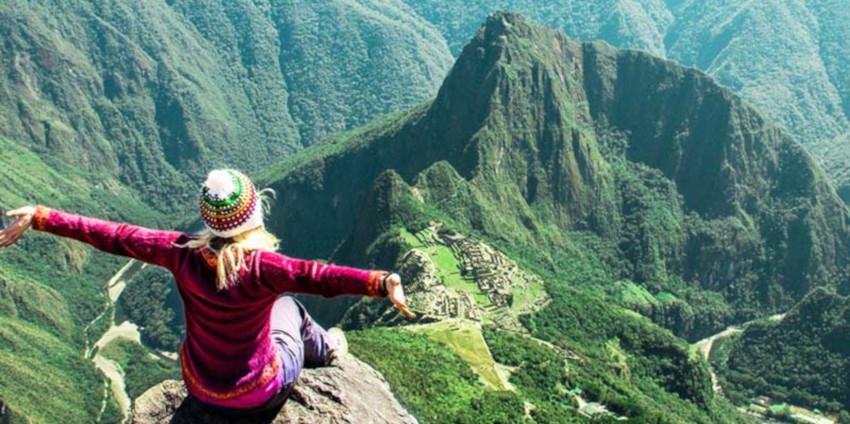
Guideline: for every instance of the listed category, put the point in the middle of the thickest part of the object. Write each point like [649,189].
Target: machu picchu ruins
[453,275]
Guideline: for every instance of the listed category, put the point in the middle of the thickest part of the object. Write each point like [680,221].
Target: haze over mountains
[650,205]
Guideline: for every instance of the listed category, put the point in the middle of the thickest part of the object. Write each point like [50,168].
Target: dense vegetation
[788,58]
[432,382]
[803,359]
[116,109]
[151,301]
[155,92]
[536,142]
[687,207]
[51,289]
[141,371]
[536,145]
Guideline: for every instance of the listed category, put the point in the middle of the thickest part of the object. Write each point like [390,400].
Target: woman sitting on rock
[245,344]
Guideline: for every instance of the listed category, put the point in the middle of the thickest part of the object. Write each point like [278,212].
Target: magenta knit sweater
[227,356]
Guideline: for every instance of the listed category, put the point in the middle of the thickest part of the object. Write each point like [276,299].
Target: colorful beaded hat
[230,205]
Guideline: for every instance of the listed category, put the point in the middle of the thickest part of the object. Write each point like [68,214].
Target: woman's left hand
[396,293]
[11,234]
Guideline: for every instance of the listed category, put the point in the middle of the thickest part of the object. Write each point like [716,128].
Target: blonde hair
[231,252]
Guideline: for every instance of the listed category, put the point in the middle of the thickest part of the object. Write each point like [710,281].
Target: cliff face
[351,392]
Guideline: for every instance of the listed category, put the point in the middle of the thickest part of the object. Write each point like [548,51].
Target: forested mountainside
[153,93]
[620,195]
[838,152]
[804,359]
[623,180]
[787,58]
[543,144]
[117,108]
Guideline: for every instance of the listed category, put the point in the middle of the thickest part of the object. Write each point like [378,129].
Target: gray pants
[300,343]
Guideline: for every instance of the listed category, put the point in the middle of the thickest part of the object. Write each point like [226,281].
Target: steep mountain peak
[514,109]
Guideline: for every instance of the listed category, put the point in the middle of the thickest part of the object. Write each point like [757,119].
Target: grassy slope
[44,378]
[433,383]
[464,339]
[52,288]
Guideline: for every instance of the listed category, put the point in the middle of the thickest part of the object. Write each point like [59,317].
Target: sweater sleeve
[288,275]
[149,246]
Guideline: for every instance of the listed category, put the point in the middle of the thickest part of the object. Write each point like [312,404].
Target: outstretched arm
[288,275]
[150,246]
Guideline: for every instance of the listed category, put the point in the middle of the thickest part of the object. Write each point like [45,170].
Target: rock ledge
[351,392]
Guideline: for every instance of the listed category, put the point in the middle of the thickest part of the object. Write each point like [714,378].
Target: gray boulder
[349,392]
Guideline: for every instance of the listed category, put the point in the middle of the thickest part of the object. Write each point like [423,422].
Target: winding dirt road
[705,345]
[109,368]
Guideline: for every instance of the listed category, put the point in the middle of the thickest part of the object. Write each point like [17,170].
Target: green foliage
[51,289]
[729,233]
[155,93]
[541,374]
[802,360]
[787,59]
[151,301]
[44,378]
[432,382]
[579,185]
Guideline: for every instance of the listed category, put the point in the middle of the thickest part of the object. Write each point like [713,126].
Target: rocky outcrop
[349,392]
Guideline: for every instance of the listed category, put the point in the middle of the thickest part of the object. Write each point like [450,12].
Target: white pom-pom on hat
[220,183]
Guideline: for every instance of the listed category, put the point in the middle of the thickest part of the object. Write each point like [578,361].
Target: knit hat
[229,203]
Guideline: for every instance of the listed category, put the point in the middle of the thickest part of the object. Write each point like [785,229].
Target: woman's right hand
[11,234]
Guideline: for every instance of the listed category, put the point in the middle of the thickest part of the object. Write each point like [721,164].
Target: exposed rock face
[351,392]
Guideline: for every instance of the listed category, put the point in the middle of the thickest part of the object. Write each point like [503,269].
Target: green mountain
[787,58]
[685,205]
[117,108]
[537,141]
[620,202]
[154,93]
[803,359]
